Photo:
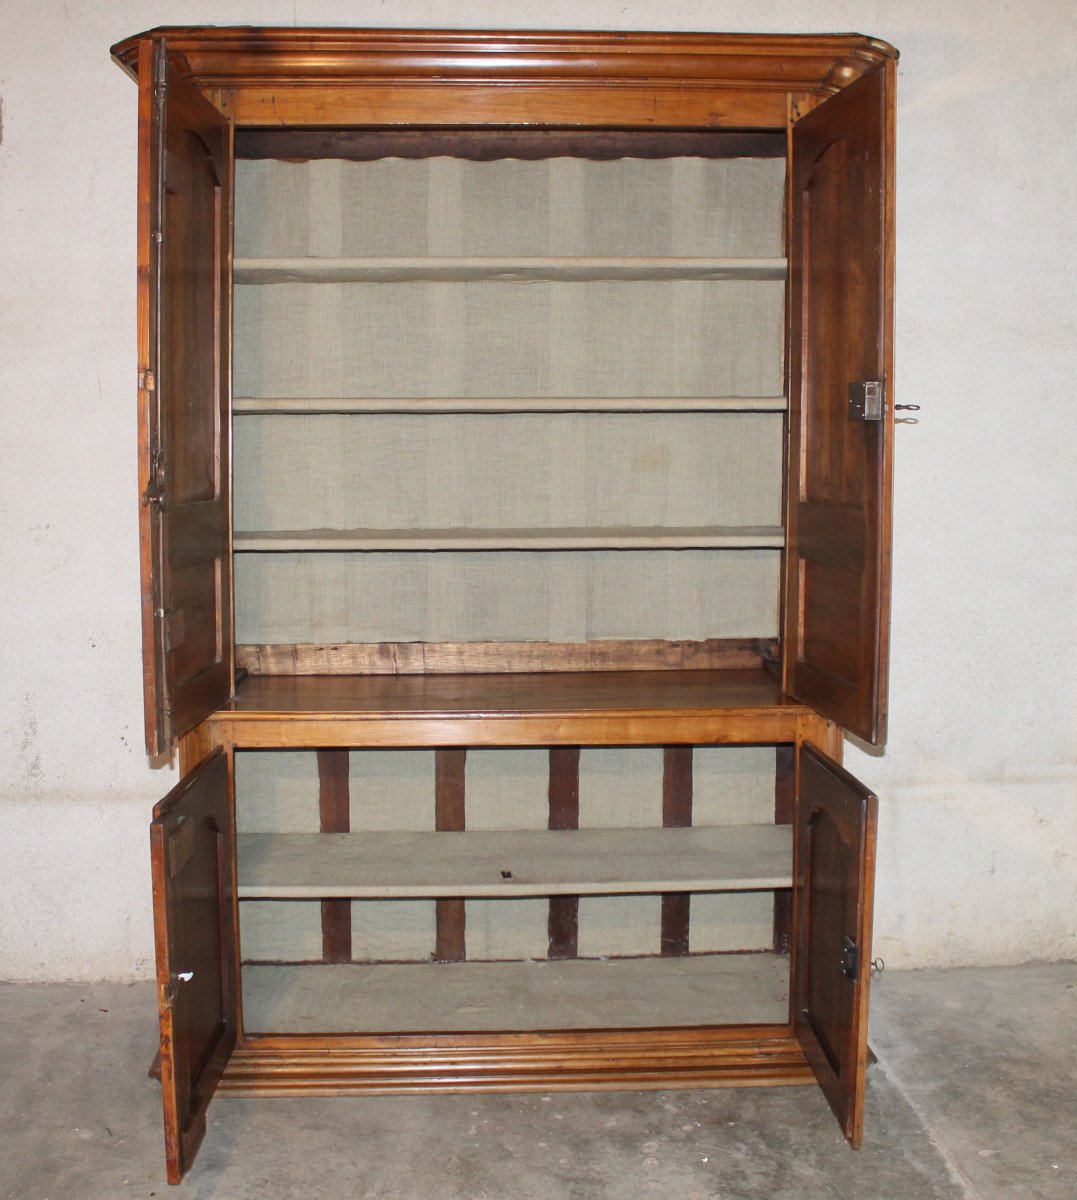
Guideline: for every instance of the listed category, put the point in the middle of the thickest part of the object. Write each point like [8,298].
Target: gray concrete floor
[974,1097]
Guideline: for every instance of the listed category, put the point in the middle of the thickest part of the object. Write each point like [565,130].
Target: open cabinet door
[837,601]
[191,847]
[184,320]
[834,880]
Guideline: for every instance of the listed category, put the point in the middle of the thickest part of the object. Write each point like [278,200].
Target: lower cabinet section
[348,921]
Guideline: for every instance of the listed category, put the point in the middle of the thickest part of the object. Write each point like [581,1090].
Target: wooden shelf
[500,269]
[486,863]
[315,405]
[709,537]
[709,989]
[593,708]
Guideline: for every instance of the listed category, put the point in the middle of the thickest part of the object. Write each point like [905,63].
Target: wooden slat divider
[564,797]
[784,801]
[334,816]
[449,771]
[492,658]
[676,813]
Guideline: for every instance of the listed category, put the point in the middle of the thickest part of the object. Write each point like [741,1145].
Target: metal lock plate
[866,400]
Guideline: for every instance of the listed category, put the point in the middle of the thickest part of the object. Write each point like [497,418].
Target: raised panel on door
[834,877]
[191,842]
[837,597]
[184,363]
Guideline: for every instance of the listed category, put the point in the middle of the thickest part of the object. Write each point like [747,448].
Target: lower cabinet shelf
[476,997]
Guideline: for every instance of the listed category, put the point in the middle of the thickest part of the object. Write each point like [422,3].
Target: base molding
[741,1056]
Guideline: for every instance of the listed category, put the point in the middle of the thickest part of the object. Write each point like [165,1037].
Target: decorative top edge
[226,55]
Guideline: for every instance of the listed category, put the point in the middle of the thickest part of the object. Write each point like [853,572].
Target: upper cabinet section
[327,77]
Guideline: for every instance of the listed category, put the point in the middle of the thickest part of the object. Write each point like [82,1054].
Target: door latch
[850,959]
[866,400]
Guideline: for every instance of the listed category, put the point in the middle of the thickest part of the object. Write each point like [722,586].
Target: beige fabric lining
[510,339]
[509,596]
[441,206]
[513,472]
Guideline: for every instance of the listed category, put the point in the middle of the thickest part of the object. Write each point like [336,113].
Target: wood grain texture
[191,839]
[556,709]
[334,816]
[489,145]
[837,580]
[450,914]
[327,77]
[453,658]
[184,358]
[593,1060]
[785,780]
[676,813]
[834,876]
[563,922]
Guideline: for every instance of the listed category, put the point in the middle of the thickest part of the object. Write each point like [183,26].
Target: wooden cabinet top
[755,73]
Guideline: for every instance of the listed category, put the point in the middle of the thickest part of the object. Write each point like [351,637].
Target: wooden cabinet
[515,440]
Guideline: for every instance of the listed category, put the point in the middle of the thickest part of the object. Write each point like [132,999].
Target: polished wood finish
[834,873]
[562,924]
[191,844]
[334,815]
[593,1060]
[785,781]
[837,574]
[637,708]
[341,77]
[489,145]
[484,658]
[184,252]
[676,814]
[450,770]
[353,93]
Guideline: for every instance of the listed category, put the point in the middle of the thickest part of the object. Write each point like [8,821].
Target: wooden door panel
[184,357]
[838,512]
[191,847]
[834,872]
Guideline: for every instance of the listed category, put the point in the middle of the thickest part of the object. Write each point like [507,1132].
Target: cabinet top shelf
[513,269]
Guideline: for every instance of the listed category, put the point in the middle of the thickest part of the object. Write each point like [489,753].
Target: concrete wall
[979,782]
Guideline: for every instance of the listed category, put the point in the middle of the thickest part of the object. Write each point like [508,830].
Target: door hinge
[155,488]
[866,400]
[850,959]
[146,381]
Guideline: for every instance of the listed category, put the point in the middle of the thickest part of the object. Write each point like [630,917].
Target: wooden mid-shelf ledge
[497,863]
[501,269]
[707,537]
[485,405]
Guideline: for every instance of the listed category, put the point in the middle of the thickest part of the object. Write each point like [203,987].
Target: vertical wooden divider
[334,816]
[563,925]
[676,813]
[784,799]
[449,766]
